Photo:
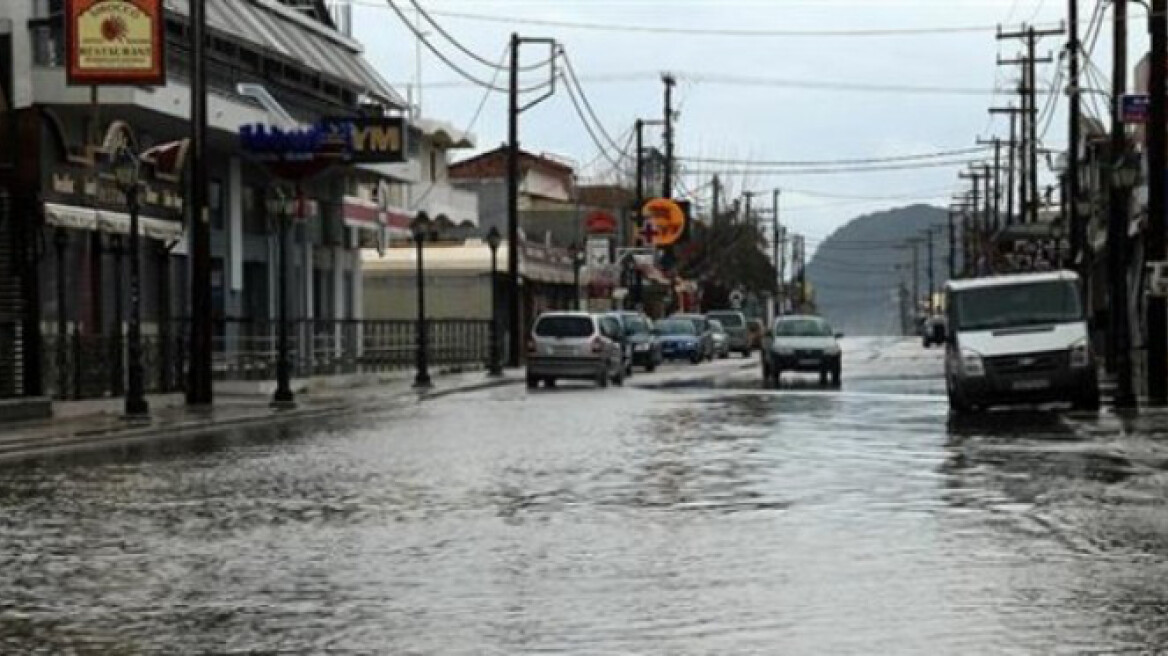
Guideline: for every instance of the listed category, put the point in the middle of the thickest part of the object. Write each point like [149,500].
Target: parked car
[805,344]
[736,327]
[702,326]
[680,340]
[721,339]
[1018,339]
[755,329]
[644,346]
[575,345]
[934,331]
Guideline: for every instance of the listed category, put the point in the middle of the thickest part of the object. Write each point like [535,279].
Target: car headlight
[641,348]
[971,363]
[1080,354]
[784,350]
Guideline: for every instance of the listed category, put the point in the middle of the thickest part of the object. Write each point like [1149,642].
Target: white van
[1018,339]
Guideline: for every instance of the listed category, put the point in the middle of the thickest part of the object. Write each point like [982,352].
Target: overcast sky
[767,118]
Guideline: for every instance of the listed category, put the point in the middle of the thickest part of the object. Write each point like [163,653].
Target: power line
[828,171]
[834,162]
[588,104]
[719,32]
[465,50]
[603,149]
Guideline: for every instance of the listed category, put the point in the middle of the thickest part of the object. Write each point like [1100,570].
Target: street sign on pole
[1134,107]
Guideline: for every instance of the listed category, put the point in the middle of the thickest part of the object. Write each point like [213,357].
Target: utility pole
[514,307]
[1157,164]
[1028,91]
[916,277]
[1075,111]
[775,246]
[199,389]
[749,196]
[952,260]
[1013,157]
[932,280]
[971,228]
[667,184]
[1117,249]
[996,142]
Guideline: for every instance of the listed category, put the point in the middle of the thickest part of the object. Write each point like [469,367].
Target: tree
[726,256]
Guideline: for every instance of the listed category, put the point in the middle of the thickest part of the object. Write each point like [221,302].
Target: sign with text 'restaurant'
[115,42]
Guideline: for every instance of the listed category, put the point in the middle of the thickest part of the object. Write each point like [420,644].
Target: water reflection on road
[715,519]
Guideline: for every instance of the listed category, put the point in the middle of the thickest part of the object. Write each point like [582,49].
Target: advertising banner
[115,42]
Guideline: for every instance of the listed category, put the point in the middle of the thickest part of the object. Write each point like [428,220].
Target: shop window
[255,210]
[215,203]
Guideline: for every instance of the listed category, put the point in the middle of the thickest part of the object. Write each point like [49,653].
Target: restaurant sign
[115,42]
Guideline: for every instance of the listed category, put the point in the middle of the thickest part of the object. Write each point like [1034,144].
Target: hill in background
[854,274]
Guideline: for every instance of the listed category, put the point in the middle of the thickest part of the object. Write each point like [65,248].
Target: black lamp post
[420,228]
[495,366]
[577,256]
[283,399]
[127,172]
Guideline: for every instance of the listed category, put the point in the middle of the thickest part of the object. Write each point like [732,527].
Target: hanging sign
[115,42]
[668,220]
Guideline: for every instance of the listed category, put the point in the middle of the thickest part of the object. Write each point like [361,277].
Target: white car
[805,344]
[575,345]
[1018,339]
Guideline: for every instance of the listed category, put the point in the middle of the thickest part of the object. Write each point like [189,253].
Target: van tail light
[597,345]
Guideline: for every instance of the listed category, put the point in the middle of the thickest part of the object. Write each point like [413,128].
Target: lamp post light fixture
[279,207]
[577,256]
[495,366]
[127,170]
[421,229]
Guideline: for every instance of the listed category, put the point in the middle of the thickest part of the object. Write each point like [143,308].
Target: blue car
[680,340]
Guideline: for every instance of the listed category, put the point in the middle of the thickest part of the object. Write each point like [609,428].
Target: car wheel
[696,358]
[651,367]
[619,378]
[835,376]
[823,378]
[532,382]
[776,378]
[958,405]
[549,382]
[602,378]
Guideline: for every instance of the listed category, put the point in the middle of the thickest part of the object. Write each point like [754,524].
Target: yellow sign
[118,42]
[666,219]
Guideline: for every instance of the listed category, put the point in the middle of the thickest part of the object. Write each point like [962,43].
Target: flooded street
[671,517]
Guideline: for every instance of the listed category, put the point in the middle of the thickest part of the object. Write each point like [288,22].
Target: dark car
[704,332]
[680,340]
[643,344]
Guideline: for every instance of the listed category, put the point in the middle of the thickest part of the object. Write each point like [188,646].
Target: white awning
[118,223]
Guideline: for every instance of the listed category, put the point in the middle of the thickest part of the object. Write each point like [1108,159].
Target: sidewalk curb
[115,436]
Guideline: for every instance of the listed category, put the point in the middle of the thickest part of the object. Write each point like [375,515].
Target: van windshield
[1008,306]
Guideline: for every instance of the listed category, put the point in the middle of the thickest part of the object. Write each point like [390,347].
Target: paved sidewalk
[78,425]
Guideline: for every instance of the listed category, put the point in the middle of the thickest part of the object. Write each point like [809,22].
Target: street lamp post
[283,399]
[1125,176]
[495,366]
[420,228]
[575,254]
[127,171]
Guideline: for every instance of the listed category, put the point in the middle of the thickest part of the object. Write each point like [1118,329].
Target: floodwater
[710,518]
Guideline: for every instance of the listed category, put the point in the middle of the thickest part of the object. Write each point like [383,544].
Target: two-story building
[74,220]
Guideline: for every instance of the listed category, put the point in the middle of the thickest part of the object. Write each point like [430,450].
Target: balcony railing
[84,366]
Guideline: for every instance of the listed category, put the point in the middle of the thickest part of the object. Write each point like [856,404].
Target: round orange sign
[668,220]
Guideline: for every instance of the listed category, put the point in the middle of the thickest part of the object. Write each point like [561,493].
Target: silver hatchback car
[575,345]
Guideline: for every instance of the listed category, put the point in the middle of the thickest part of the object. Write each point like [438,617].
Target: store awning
[117,223]
[272,27]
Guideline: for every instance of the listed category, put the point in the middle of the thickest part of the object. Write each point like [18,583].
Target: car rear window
[729,319]
[564,327]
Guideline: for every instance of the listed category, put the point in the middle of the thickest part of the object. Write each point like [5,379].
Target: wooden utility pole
[1157,202]
[667,179]
[1119,216]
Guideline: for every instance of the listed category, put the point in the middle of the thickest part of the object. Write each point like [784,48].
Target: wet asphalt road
[690,513]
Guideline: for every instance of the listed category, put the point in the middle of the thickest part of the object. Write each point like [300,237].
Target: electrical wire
[467,51]
[830,171]
[834,162]
[603,149]
[463,73]
[574,80]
